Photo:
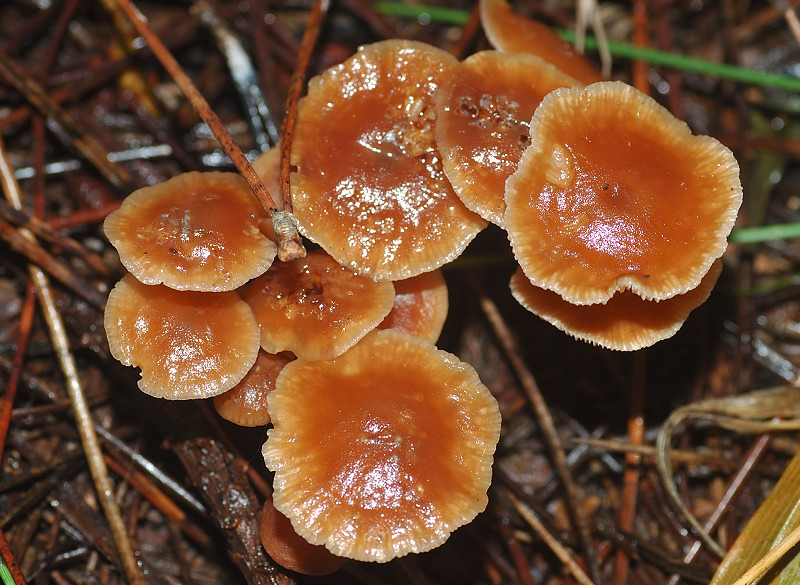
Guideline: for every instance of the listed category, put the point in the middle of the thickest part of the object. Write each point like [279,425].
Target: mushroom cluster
[305,345]
[381,443]
[608,200]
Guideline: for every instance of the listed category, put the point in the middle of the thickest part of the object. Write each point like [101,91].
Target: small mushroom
[289,549]
[246,403]
[196,231]
[369,186]
[513,33]
[615,193]
[420,306]
[382,451]
[626,322]
[315,307]
[188,344]
[483,109]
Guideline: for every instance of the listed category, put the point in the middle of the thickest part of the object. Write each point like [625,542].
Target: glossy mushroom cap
[196,231]
[615,193]
[382,451]
[420,306]
[316,308]
[483,109]
[187,344]
[289,549]
[626,322]
[369,186]
[512,33]
[246,403]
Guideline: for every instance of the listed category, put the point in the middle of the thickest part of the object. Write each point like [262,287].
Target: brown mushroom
[369,186]
[513,33]
[188,344]
[196,231]
[420,306]
[382,451]
[615,193]
[246,403]
[289,549]
[626,322]
[483,109]
[316,308]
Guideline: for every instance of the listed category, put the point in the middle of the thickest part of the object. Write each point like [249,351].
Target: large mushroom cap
[382,451]
[512,33]
[483,109]
[187,344]
[420,306]
[615,193]
[315,307]
[196,231]
[369,186]
[626,322]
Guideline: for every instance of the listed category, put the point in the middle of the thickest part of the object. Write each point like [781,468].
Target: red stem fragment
[12,383]
[313,26]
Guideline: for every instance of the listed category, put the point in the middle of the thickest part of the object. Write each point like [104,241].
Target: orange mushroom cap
[512,33]
[483,108]
[289,549]
[382,451]
[316,308]
[187,344]
[246,403]
[626,322]
[369,186]
[615,193]
[196,231]
[420,306]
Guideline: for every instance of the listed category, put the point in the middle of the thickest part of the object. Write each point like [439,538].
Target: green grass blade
[765,233]
[5,574]
[624,50]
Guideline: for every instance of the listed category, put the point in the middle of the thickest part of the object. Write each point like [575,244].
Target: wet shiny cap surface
[383,451]
[187,344]
[196,231]
[615,193]
[369,186]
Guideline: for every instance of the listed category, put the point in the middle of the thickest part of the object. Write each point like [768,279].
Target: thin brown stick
[38,256]
[82,216]
[546,424]
[12,383]
[12,72]
[42,229]
[518,555]
[296,84]
[562,553]
[160,501]
[756,451]
[10,561]
[630,479]
[83,417]
[290,246]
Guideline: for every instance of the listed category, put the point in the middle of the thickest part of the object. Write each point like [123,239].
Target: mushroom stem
[290,246]
[313,26]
